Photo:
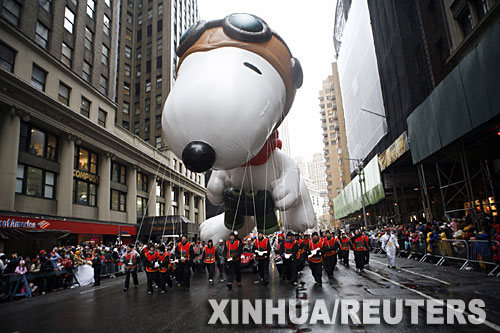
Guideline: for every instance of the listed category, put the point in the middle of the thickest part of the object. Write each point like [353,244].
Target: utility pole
[361,175]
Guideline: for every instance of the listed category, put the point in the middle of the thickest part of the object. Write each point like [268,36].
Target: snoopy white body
[218,99]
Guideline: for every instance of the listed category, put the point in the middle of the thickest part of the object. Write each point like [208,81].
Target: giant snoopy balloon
[236,82]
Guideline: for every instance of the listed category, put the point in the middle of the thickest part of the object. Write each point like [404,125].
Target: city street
[108,308]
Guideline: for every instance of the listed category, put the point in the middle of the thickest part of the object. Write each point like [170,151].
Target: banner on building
[349,200]
[394,151]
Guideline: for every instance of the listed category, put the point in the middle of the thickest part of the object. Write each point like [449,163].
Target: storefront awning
[7,234]
[349,200]
[465,99]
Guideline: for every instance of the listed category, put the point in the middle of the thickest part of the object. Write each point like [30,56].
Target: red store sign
[17,222]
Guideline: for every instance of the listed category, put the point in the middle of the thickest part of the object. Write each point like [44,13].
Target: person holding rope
[209,259]
[184,254]
[344,242]
[232,250]
[150,257]
[262,250]
[130,259]
[278,259]
[163,269]
[289,254]
[330,253]
[301,253]
[359,246]
[314,248]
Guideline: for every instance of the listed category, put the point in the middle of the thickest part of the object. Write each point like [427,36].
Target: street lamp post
[361,175]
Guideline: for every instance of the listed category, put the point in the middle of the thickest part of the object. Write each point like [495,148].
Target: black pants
[164,278]
[290,270]
[220,267]
[234,270]
[97,275]
[152,276]
[134,276]
[281,270]
[301,262]
[359,258]
[344,255]
[211,270]
[367,257]
[263,267]
[330,263]
[184,274]
[316,270]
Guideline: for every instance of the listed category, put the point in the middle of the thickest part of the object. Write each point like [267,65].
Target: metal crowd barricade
[375,245]
[418,250]
[454,249]
[481,252]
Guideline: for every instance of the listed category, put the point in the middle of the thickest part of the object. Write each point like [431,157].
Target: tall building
[316,170]
[334,137]
[64,164]
[149,34]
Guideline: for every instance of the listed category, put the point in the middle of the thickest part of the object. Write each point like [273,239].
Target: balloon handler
[244,78]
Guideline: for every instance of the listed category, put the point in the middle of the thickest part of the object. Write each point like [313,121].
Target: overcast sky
[307,28]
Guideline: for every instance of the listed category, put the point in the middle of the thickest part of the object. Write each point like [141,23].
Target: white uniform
[390,245]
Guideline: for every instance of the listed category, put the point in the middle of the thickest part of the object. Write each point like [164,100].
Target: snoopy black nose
[198,156]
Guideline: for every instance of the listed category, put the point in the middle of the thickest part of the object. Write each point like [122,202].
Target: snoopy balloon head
[236,81]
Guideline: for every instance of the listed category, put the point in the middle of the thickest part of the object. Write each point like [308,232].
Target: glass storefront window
[37,143]
[82,193]
[34,182]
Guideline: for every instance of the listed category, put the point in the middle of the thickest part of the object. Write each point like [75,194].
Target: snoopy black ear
[297,74]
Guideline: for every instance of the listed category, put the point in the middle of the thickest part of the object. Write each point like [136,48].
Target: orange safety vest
[164,260]
[301,248]
[184,250]
[261,245]
[344,244]
[289,246]
[209,254]
[329,243]
[313,246]
[150,258]
[130,260]
[232,248]
[359,243]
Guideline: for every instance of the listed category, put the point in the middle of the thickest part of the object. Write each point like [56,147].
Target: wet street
[109,309]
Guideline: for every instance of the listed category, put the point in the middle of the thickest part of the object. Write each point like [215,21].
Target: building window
[130,18]
[106,25]
[142,182]
[7,58]
[69,20]
[139,35]
[126,124]
[160,188]
[160,9]
[148,49]
[137,127]
[90,8]
[137,108]
[159,25]
[146,125]
[149,29]
[35,182]
[11,11]
[108,3]
[142,206]
[37,142]
[66,54]
[105,55]
[103,85]
[139,19]
[42,35]
[86,71]
[128,34]
[126,88]
[138,53]
[148,85]
[159,81]
[118,202]
[158,121]
[465,21]
[64,92]
[89,39]
[101,118]
[126,107]
[46,5]
[38,78]
[158,141]
[147,105]
[159,44]
[482,8]
[160,209]
[85,180]
[128,52]
[150,13]
[158,101]
[138,70]
[126,70]
[85,107]
[118,173]
[148,66]
[159,62]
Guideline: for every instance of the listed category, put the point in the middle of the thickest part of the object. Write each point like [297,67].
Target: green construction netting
[468,97]
[349,200]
